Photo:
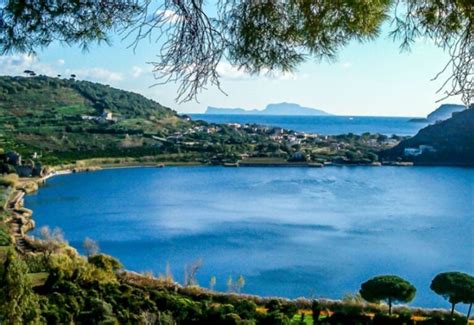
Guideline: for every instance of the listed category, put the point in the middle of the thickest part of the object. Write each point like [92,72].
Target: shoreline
[19,203]
[62,170]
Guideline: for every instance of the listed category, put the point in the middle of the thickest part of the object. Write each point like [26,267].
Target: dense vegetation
[59,286]
[46,115]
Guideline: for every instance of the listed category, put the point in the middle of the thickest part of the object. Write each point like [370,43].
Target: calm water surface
[290,231]
[329,125]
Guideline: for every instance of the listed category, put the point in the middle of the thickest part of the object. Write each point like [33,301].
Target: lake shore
[65,172]
[93,164]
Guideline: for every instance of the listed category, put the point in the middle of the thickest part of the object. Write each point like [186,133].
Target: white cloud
[228,71]
[346,65]
[279,75]
[15,65]
[136,71]
[167,16]
[96,74]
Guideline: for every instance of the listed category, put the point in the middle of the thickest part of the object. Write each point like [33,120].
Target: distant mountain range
[442,113]
[270,109]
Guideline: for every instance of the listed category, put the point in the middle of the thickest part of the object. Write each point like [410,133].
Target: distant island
[443,112]
[270,109]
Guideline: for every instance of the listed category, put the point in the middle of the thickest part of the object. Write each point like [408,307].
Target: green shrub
[36,263]
[105,262]
[5,237]
[274,318]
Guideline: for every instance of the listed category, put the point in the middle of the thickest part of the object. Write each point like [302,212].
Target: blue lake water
[290,231]
[328,125]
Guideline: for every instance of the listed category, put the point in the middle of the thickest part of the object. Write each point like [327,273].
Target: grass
[4,194]
[5,238]
[38,279]
[3,253]
[308,319]
[74,110]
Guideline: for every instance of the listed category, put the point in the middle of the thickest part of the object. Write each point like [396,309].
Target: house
[418,151]
[411,152]
[424,148]
[107,116]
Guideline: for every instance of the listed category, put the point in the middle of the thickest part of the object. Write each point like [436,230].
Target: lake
[328,125]
[289,231]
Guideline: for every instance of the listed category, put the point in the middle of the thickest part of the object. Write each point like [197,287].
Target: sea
[326,125]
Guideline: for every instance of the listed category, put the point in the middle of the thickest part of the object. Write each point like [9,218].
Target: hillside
[449,142]
[52,115]
[444,112]
[61,121]
[270,109]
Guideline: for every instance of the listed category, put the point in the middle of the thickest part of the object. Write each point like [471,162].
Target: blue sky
[367,79]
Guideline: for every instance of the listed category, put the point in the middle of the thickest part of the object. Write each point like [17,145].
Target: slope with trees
[451,142]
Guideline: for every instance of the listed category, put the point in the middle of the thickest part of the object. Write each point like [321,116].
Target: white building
[418,151]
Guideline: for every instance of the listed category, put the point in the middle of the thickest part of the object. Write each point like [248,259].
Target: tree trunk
[469,311]
[390,306]
[452,309]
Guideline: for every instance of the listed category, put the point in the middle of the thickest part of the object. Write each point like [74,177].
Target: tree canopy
[387,287]
[18,303]
[256,36]
[456,287]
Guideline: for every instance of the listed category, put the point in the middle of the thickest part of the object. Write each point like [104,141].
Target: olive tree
[90,246]
[456,287]
[258,36]
[390,288]
[50,241]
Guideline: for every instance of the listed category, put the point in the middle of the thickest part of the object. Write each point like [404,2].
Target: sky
[371,79]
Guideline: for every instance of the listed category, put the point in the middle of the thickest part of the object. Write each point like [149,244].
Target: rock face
[450,142]
[270,109]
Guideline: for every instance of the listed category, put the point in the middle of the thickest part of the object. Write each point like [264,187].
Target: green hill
[69,118]
[450,142]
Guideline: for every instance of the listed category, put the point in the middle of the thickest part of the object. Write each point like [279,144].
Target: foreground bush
[95,290]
